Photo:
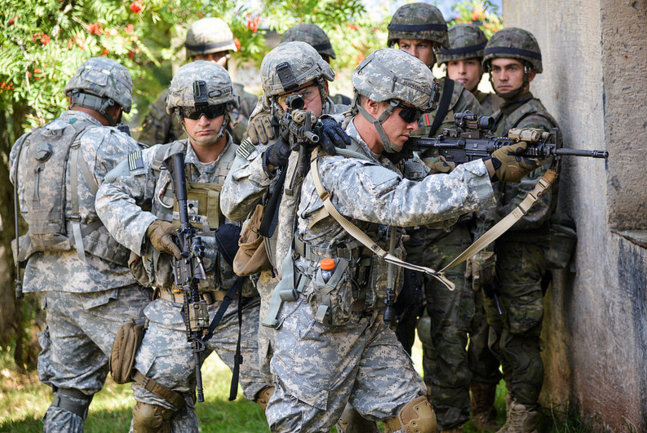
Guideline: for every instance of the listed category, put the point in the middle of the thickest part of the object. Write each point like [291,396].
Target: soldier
[202,94]
[332,344]
[260,129]
[449,368]
[208,39]
[255,168]
[513,58]
[463,61]
[89,290]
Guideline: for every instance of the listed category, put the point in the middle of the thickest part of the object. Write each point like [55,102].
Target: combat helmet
[208,35]
[202,83]
[513,43]
[466,41]
[390,75]
[100,83]
[418,21]
[310,34]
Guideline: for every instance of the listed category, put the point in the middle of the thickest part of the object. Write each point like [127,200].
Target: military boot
[508,403]
[483,410]
[521,419]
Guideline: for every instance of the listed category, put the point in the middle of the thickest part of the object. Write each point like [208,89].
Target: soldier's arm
[369,192]
[125,192]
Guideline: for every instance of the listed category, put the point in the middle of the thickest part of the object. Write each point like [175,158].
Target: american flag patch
[135,160]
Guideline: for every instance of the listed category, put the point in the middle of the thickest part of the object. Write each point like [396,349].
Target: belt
[209,297]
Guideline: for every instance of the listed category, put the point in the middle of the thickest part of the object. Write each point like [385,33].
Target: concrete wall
[595,84]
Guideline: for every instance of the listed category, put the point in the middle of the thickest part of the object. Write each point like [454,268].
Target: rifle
[188,270]
[470,141]
[297,128]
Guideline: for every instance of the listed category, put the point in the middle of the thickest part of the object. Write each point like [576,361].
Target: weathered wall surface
[595,84]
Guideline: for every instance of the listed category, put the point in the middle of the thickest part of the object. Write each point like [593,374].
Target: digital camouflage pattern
[209,35]
[389,74]
[407,21]
[466,41]
[311,34]
[514,337]
[120,203]
[522,41]
[370,192]
[305,65]
[159,127]
[105,78]
[85,303]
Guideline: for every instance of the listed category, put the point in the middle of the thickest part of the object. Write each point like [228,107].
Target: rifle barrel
[579,152]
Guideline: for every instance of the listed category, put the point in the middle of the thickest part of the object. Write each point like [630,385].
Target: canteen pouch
[122,358]
[332,301]
[481,268]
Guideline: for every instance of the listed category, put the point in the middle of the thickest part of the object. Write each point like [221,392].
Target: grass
[23,401]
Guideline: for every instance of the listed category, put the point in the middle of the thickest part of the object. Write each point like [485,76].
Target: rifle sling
[443,106]
[271,214]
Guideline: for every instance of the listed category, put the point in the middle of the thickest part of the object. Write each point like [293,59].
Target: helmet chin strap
[516,92]
[389,146]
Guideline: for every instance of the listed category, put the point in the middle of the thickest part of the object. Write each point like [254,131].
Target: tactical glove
[332,136]
[508,164]
[161,234]
[439,165]
[259,128]
[277,154]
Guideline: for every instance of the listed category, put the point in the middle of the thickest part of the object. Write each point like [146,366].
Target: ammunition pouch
[481,268]
[563,240]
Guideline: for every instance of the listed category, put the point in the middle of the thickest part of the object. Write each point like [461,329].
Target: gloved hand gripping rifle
[470,141]
[297,129]
[188,270]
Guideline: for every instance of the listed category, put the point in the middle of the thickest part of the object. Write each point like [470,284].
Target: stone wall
[594,83]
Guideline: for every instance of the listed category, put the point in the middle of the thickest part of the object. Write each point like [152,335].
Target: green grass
[23,401]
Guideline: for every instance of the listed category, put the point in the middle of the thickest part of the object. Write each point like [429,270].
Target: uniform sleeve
[542,210]
[122,197]
[369,192]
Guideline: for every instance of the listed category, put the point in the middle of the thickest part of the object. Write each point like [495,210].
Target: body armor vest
[55,225]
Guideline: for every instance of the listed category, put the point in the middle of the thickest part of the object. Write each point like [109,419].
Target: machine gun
[188,270]
[470,141]
[297,127]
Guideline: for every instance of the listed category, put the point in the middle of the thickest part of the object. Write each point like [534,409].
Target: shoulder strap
[354,231]
[443,106]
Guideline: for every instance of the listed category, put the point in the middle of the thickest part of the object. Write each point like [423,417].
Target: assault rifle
[188,270]
[297,128]
[470,141]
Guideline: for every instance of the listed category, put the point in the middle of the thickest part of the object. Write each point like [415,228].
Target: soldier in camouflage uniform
[463,62]
[420,29]
[208,39]
[141,183]
[513,58]
[89,290]
[332,344]
[260,129]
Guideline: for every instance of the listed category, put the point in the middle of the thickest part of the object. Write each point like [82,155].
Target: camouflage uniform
[365,366]
[139,183]
[312,34]
[208,35]
[515,336]
[86,302]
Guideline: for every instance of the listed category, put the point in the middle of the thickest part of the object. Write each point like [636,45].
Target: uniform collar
[510,106]
[210,167]
[68,115]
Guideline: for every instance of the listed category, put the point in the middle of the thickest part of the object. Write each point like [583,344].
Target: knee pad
[151,418]
[352,422]
[263,397]
[417,416]
[73,401]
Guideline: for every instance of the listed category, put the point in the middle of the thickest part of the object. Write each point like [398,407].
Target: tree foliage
[481,12]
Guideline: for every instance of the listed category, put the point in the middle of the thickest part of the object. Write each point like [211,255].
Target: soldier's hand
[332,136]
[277,154]
[161,234]
[439,164]
[508,164]
[259,128]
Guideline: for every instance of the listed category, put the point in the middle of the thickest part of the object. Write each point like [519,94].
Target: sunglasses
[409,114]
[210,112]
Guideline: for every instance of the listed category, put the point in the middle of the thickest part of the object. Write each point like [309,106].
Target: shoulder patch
[245,149]
[135,160]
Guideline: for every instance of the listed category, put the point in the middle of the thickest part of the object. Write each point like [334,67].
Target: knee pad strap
[151,418]
[417,416]
[72,400]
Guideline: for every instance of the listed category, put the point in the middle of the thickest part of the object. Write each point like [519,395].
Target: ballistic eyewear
[210,112]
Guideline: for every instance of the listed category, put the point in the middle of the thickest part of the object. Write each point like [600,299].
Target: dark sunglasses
[210,112]
[409,114]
